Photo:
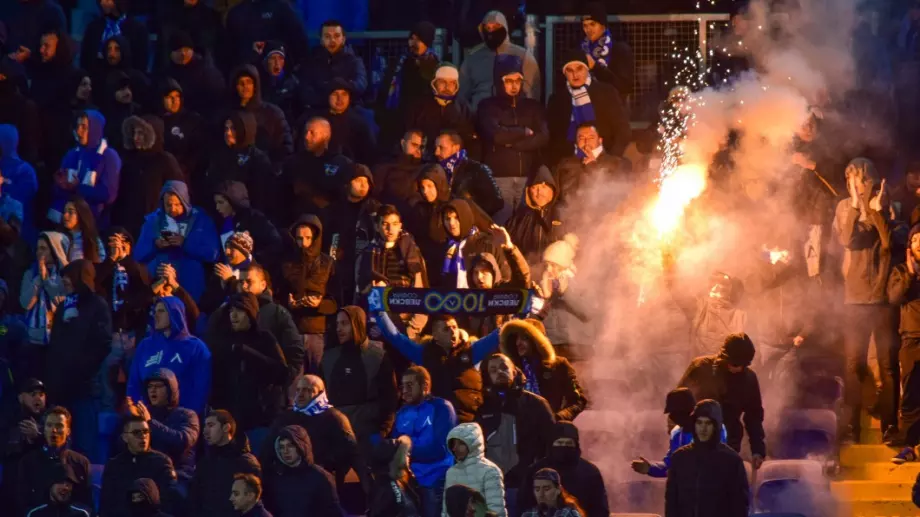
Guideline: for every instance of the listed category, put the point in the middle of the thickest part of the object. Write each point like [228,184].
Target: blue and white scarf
[450,163]
[316,406]
[530,377]
[112,29]
[454,262]
[582,109]
[600,49]
[70,307]
[39,317]
[119,286]
[396,82]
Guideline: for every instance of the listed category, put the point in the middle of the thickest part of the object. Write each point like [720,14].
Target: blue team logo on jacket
[331,169]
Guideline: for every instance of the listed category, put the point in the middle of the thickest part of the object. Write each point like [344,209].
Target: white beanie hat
[447,72]
[562,252]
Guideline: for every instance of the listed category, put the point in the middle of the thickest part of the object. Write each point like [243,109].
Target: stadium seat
[792,487]
[804,433]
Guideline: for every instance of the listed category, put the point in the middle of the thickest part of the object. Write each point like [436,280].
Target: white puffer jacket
[476,471]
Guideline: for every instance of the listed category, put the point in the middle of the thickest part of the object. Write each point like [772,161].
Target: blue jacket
[19,179]
[98,169]
[427,424]
[679,438]
[187,356]
[201,246]
[173,430]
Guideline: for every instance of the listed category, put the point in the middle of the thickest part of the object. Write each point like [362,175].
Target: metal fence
[653,39]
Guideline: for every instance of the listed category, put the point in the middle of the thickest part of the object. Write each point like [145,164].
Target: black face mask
[495,38]
[564,455]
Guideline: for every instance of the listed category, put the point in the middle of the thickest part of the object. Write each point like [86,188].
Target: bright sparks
[677,190]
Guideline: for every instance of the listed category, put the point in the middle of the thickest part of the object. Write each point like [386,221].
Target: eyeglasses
[140,433]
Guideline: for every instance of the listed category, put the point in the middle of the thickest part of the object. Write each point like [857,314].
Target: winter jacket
[680,437]
[29,20]
[257,511]
[738,394]
[37,472]
[306,273]
[904,290]
[19,179]
[352,135]
[336,449]
[518,426]
[214,477]
[245,162]
[145,169]
[520,279]
[185,355]
[109,78]
[533,228]
[431,117]
[274,133]
[355,224]
[202,84]
[580,477]
[92,49]
[313,486]
[19,111]
[416,75]
[130,315]
[477,72]
[201,244]
[283,90]
[253,21]
[571,173]
[276,320]
[184,134]
[427,424]
[150,503]
[312,182]
[360,381]
[174,430]
[13,444]
[707,478]
[50,80]
[249,373]
[120,474]
[619,69]
[52,286]
[321,68]
[476,471]
[474,182]
[554,375]
[611,120]
[867,257]
[395,180]
[454,376]
[475,244]
[58,510]
[97,170]
[423,219]
[395,491]
[398,265]
[80,339]
[502,122]
[199,21]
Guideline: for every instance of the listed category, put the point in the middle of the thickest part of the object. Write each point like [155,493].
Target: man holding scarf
[464,241]
[610,61]
[115,21]
[585,100]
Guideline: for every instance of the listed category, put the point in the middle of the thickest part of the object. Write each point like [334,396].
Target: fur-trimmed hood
[151,128]
[542,345]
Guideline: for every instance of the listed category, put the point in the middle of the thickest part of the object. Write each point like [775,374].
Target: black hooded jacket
[353,222]
[137,77]
[423,219]
[503,121]
[249,369]
[149,505]
[306,273]
[209,489]
[131,314]
[121,473]
[20,111]
[481,242]
[268,243]
[352,135]
[473,181]
[431,118]
[306,489]
[202,84]
[80,340]
[517,414]
[92,49]
[533,228]
[183,134]
[311,183]
[244,162]
[395,181]
[37,471]
[274,134]
[252,21]
[50,80]
[707,478]
[738,394]
[321,68]
[144,170]
[201,22]
[580,477]
[174,430]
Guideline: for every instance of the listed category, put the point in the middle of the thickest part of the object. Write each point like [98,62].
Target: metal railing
[652,38]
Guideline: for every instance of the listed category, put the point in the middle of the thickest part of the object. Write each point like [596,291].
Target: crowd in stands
[191,226]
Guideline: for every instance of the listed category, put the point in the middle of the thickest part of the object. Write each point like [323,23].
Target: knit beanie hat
[574,56]
[241,241]
[596,11]
[448,72]
[425,32]
[562,253]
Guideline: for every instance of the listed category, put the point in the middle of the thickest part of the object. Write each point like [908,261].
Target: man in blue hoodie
[18,177]
[679,407]
[170,345]
[426,420]
[91,169]
[173,429]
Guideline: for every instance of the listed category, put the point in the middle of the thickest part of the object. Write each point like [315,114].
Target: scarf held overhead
[410,300]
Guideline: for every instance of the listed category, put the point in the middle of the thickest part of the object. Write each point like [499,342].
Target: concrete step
[858,455]
[885,472]
[879,509]
[871,490]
